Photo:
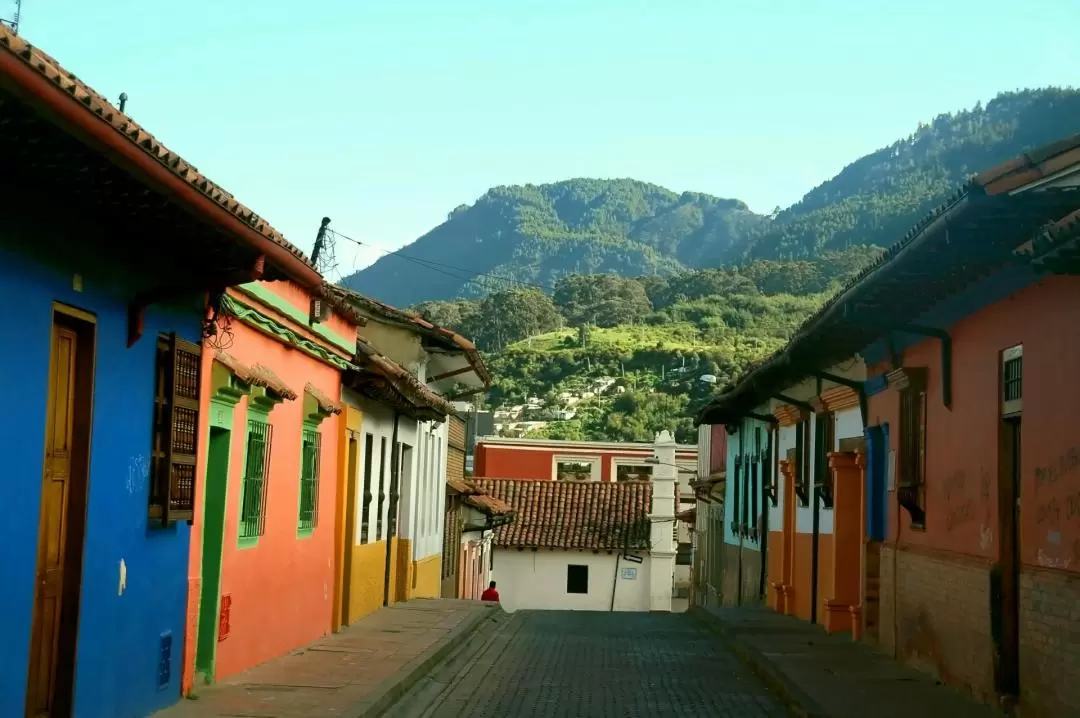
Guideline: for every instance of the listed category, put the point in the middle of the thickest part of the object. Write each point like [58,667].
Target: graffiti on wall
[1057,504]
[960,505]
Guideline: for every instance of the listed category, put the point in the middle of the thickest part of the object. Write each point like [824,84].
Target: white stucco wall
[428,489]
[378,422]
[537,580]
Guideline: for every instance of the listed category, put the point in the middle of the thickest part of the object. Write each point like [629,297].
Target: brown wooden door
[53,523]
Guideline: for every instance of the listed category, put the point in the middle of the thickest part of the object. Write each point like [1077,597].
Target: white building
[588,545]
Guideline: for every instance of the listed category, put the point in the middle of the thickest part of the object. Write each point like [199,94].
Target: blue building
[112,248]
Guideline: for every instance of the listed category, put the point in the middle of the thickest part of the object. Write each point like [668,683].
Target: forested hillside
[602,281]
[537,234]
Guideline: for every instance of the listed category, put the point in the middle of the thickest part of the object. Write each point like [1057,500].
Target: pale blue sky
[386,114]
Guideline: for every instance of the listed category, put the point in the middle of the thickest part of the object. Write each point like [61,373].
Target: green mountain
[537,234]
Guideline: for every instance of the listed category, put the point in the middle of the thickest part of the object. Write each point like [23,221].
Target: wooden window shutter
[176,431]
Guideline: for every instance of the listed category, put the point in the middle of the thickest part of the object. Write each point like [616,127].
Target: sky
[386,114]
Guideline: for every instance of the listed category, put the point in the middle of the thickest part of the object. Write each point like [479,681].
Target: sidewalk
[358,672]
[823,676]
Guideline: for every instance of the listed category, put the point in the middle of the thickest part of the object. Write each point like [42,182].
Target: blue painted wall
[119,635]
[746,430]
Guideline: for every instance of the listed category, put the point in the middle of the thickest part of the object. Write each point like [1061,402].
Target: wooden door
[1008,592]
[59,557]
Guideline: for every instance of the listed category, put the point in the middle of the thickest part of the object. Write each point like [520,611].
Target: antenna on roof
[14,21]
[324,248]
[123,101]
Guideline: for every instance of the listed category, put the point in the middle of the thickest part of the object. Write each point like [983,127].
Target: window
[365,511]
[1012,380]
[768,473]
[256,473]
[573,470]
[755,486]
[825,438]
[633,472]
[175,430]
[310,452]
[802,463]
[737,498]
[382,489]
[577,579]
[911,490]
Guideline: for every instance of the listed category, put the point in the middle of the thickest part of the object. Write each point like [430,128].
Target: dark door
[217,478]
[61,526]
[1008,530]
[877,453]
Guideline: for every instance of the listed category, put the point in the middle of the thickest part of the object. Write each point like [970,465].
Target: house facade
[546,459]
[272,399]
[398,399]
[101,351]
[472,515]
[707,521]
[952,536]
[589,545]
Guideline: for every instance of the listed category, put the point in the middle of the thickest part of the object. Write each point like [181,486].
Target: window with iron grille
[1012,380]
[382,489]
[802,463]
[823,444]
[736,513]
[175,430]
[755,486]
[911,490]
[310,452]
[256,476]
[768,470]
[365,510]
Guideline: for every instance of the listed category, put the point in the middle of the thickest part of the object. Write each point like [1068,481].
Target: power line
[441,267]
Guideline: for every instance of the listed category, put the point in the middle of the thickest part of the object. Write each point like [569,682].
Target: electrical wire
[449,270]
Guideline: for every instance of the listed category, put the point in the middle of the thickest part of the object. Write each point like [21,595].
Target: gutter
[39,91]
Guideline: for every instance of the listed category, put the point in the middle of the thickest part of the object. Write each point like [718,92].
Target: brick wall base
[935,615]
[1049,643]
[751,576]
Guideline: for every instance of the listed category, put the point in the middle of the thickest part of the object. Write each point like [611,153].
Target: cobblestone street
[584,664]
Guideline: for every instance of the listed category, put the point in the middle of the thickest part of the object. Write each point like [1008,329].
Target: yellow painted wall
[350,420]
[427,578]
[366,581]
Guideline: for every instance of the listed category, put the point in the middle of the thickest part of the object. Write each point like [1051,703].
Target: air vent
[164,672]
[1012,380]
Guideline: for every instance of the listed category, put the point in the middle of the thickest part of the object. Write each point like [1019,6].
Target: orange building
[503,458]
[945,529]
[262,559]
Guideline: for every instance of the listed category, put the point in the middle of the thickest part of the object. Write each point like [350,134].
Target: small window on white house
[633,472]
[577,579]
[573,470]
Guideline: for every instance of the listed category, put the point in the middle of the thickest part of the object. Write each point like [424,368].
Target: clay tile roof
[448,338]
[325,403]
[573,514]
[241,370]
[461,486]
[402,383]
[261,375]
[489,505]
[1030,167]
[87,106]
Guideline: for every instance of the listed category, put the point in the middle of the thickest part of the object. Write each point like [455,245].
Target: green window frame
[310,454]
[256,479]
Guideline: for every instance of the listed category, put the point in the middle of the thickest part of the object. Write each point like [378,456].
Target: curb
[384,697]
[797,702]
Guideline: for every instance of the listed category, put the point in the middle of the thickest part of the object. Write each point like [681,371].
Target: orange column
[842,585]
[783,586]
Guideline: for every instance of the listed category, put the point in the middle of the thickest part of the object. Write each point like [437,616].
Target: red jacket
[490,595]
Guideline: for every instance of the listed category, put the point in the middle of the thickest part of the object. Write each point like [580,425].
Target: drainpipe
[391,512]
[615,580]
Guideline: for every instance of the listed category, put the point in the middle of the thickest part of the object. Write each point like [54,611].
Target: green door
[217,479]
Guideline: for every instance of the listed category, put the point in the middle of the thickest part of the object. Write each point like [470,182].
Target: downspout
[391,512]
[615,580]
[742,529]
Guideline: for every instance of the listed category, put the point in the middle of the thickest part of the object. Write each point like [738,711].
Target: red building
[547,459]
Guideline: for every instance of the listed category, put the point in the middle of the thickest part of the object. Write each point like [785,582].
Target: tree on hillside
[514,315]
[605,300]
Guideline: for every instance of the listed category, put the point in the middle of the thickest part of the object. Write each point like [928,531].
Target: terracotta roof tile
[450,338]
[461,486]
[85,99]
[573,514]
[261,375]
[489,505]
[418,399]
[325,403]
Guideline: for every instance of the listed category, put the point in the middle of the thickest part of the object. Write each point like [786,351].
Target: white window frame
[617,461]
[595,465]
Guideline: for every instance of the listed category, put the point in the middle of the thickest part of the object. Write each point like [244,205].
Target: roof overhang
[381,379]
[974,235]
[90,153]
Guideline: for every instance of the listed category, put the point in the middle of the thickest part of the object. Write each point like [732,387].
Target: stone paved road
[585,664]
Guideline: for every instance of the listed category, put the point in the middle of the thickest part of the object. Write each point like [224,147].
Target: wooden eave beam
[446,375]
[851,384]
[206,283]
